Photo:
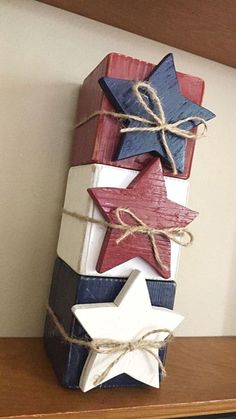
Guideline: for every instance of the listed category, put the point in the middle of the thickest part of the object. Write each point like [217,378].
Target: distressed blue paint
[164,80]
[69,288]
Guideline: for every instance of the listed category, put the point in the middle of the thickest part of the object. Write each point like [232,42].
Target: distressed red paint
[96,141]
[146,197]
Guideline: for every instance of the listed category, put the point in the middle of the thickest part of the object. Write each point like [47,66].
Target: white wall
[45,55]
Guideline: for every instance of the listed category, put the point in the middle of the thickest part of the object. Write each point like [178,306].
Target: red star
[146,198]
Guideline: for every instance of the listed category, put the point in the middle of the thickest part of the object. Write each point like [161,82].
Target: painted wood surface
[80,243]
[69,288]
[175,106]
[146,198]
[200,381]
[97,140]
[129,317]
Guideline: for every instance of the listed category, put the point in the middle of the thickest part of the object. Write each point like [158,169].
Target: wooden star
[146,198]
[176,107]
[128,318]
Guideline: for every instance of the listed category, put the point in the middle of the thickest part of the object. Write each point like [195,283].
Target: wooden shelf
[201,380]
[203,27]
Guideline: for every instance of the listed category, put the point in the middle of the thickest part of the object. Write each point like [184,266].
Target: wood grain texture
[97,140]
[80,242]
[129,317]
[203,27]
[175,106]
[69,288]
[201,380]
[146,198]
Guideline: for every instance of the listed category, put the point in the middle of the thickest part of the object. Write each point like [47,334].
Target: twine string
[111,346]
[157,123]
[179,235]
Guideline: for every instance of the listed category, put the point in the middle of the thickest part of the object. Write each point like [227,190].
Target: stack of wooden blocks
[126,179]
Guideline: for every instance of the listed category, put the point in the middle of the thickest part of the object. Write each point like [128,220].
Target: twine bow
[111,346]
[157,123]
[179,235]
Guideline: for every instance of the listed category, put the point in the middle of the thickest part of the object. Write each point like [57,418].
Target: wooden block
[80,242]
[97,140]
[129,318]
[67,289]
[176,107]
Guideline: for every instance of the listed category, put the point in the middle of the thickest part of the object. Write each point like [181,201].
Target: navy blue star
[164,80]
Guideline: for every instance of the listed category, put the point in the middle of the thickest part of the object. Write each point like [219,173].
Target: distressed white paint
[80,242]
[129,317]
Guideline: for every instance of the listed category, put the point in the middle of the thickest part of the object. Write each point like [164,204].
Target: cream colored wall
[45,55]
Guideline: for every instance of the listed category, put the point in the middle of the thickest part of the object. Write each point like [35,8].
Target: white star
[129,317]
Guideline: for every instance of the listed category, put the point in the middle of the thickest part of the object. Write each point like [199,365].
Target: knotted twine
[111,346]
[157,123]
[179,235]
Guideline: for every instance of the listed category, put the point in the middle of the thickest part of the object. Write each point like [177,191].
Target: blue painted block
[176,107]
[69,288]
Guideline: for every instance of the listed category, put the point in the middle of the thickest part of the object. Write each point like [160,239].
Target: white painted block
[80,242]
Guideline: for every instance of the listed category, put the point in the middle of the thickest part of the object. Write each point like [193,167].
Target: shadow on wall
[37,128]
[229,325]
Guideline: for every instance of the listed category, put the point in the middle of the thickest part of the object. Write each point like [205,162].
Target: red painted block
[97,140]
